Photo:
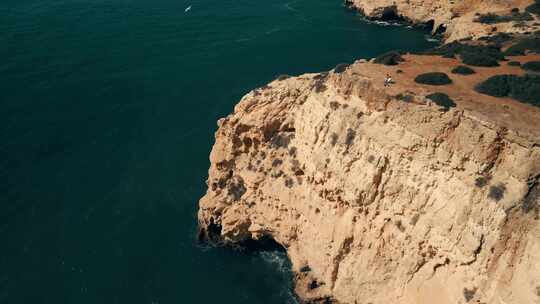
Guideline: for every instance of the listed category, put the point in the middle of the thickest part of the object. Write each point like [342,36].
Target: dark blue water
[108,109]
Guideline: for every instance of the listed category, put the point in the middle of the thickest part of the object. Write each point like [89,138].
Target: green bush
[514,63]
[442,100]
[495,86]
[481,181]
[305,268]
[532,66]
[475,55]
[463,70]
[518,17]
[448,50]
[497,192]
[433,78]
[320,80]
[526,89]
[527,44]
[523,88]
[469,294]
[405,97]
[340,68]
[497,39]
[389,58]
[349,138]
[478,59]
[491,18]
[283,77]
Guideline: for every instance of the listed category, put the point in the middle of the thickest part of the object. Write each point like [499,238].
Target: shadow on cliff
[211,235]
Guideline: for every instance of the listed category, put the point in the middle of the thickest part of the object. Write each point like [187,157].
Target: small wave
[289,7]
[291,298]
[277,259]
[277,29]
[380,22]
[386,23]
[280,261]
[431,39]
[383,23]
[205,247]
[243,39]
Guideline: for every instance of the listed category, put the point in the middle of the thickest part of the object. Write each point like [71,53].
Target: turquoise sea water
[108,109]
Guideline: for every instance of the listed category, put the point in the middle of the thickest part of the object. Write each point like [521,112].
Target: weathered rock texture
[378,195]
[457,16]
[378,200]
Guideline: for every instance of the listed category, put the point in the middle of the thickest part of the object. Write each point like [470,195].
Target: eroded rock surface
[378,194]
[377,200]
[456,17]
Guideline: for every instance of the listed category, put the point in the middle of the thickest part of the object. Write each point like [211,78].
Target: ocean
[108,110]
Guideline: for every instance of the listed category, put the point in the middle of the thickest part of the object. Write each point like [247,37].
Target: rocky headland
[457,18]
[425,191]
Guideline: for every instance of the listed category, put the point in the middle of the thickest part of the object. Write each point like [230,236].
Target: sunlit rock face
[455,18]
[377,200]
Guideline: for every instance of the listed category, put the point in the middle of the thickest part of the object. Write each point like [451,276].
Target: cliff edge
[380,194]
[457,19]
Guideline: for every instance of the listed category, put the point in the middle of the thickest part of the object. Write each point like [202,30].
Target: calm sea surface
[108,109]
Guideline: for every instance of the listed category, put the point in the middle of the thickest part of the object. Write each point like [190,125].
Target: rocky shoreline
[455,19]
[428,188]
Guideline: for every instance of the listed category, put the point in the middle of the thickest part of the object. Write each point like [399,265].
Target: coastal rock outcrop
[422,190]
[375,199]
[459,19]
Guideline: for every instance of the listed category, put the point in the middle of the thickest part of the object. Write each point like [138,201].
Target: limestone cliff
[378,194]
[456,17]
[377,200]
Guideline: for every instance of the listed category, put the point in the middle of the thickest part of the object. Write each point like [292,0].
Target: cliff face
[377,200]
[377,194]
[457,17]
